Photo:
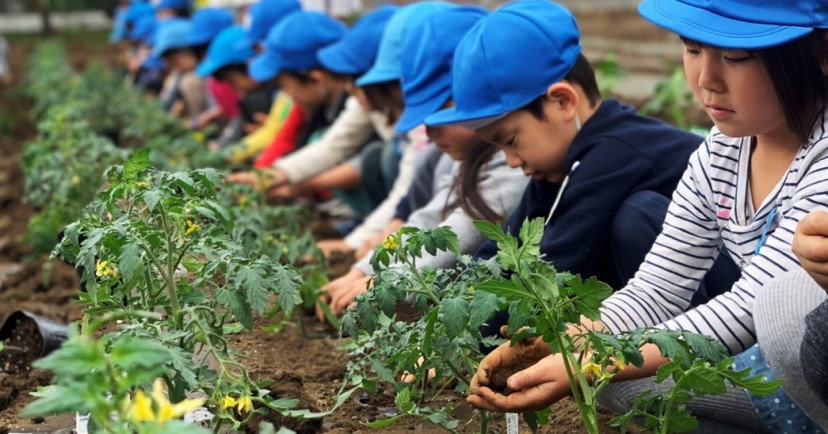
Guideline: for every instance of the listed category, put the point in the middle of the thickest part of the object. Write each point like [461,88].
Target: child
[290,58]
[480,185]
[383,94]
[595,165]
[222,99]
[188,94]
[756,175]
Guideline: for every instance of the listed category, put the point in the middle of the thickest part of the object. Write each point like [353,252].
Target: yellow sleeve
[255,142]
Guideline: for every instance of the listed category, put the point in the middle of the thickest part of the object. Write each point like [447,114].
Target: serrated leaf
[682,421]
[491,230]
[130,259]
[703,379]
[252,281]
[236,302]
[454,314]
[590,294]
[151,198]
[131,353]
[705,347]
[508,289]
[285,282]
[137,163]
[482,307]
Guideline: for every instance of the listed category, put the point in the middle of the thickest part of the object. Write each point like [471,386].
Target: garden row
[174,262]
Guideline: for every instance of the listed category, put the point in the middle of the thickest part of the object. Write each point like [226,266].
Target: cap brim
[377,75]
[709,28]
[197,40]
[264,67]
[333,59]
[450,116]
[207,68]
[416,114]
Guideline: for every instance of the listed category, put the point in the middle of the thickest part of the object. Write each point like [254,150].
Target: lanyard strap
[764,236]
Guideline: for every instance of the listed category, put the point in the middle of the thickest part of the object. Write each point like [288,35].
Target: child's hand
[334,289]
[534,388]
[810,245]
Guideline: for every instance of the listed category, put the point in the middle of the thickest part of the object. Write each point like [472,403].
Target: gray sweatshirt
[501,188]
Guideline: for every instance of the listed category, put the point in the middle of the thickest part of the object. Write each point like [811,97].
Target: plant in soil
[545,304]
[440,348]
[160,242]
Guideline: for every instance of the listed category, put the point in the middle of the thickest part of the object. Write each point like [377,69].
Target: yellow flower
[245,405]
[192,227]
[103,269]
[76,179]
[229,402]
[158,408]
[592,370]
[198,136]
[142,184]
[620,364]
[390,242]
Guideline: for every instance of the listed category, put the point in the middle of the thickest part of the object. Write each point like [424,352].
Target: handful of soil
[498,377]
[23,346]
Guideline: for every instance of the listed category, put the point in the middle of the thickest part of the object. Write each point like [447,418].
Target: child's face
[538,146]
[183,61]
[240,81]
[309,95]
[455,141]
[735,89]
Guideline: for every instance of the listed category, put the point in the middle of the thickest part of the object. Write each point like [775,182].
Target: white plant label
[81,423]
[198,415]
[512,423]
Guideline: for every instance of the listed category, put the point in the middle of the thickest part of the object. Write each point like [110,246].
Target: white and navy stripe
[711,208]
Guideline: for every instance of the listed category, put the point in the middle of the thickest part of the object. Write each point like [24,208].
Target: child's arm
[810,244]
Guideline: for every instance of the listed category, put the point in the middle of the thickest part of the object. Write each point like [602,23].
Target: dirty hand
[509,358]
[346,296]
[810,245]
[535,387]
[258,180]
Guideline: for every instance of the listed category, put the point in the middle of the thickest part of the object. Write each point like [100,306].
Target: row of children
[692,237]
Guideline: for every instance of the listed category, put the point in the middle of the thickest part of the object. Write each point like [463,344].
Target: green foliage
[160,241]
[608,73]
[672,99]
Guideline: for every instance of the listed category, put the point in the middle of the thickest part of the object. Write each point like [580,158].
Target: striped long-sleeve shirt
[712,208]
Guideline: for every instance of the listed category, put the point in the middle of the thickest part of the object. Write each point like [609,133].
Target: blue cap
[136,11]
[356,51]
[230,47]
[496,72]
[741,24]
[263,16]
[119,27]
[292,45]
[175,5]
[387,66]
[207,23]
[426,62]
[171,34]
[144,30]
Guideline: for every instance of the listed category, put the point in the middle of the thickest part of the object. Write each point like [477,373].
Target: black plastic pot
[50,333]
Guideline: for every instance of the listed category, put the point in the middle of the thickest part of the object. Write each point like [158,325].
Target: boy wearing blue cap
[187,93]
[207,23]
[745,192]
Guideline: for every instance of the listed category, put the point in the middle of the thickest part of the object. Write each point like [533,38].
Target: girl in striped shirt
[762,168]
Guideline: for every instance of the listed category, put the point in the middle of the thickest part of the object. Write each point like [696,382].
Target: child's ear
[563,96]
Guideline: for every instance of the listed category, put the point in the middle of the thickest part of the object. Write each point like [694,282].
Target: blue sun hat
[171,34]
[230,47]
[207,23]
[426,62]
[119,27]
[387,66]
[356,51]
[292,45]
[742,24]
[496,72]
[177,5]
[144,30]
[136,11]
[266,14]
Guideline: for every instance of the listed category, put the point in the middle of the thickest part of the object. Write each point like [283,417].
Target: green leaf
[151,198]
[702,379]
[232,328]
[236,302]
[253,282]
[382,423]
[682,421]
[531,234]
[482,307]
[590,294]
[137,163]
[705,347]
[508,289]
[130,259]
[286,283]
[454,313]
[131,353]
[492,231]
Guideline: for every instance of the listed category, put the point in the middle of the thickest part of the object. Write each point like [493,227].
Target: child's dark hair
[200,51]
[385,97]
[581,74]
[466,185]
[796,71]
[221,73]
